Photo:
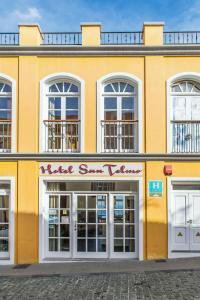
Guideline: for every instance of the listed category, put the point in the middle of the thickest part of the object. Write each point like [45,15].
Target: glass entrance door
[123,226]
[91,226]
[58,217]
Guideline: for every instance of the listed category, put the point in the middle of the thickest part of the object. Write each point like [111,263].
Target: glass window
[63,109]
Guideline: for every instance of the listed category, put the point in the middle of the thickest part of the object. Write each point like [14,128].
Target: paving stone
[128,286]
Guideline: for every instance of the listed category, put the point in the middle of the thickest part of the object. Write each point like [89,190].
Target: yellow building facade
[99,144]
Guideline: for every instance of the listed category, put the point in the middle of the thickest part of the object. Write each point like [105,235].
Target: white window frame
[178,77]
[44,85]
[128,78]
[11,181]
[10,81]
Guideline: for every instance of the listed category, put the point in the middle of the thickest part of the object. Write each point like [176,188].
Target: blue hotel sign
[155,188]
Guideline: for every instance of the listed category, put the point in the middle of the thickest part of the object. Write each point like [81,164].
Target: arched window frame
[185,76]
[10,81]
[124,77]
[44,86]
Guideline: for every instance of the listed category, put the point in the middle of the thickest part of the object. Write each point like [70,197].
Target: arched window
[63,119]
[119,117]
[185,116]
[5,116]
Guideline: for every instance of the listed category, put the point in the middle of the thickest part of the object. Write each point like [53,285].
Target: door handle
[75,226]
[189,221]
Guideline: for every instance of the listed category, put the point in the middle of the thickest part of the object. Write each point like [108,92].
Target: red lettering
[83,169]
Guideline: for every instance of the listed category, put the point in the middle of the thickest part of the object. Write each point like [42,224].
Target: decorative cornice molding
[117,50]
[98,157]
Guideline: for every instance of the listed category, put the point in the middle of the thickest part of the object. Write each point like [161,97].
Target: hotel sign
[91,169]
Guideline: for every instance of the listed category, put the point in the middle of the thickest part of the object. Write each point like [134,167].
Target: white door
[123,222]
[91,226]
[4,224]
[194,222]
[185,221]
[58,225]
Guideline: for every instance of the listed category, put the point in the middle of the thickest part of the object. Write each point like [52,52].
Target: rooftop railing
[121,38]
[9,38]
[181,37]
[61,38]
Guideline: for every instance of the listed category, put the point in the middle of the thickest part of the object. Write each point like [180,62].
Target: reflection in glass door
[59,220]
[4,225]
[123,234]
[91,226]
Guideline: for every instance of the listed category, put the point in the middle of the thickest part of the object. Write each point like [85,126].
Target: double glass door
[91,225]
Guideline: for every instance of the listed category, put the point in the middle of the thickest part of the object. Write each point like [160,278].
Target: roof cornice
[117,50]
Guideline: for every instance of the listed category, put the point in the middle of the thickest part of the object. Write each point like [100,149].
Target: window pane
[7,88]
[5,115]
[71,114]
[4,201]
[55,115]
[179,106]
[91,230]
[64,245]
[3,245]
[108,88]
[118,245]
[81,202]
[118,231]
[118,216]
[53,89]
[119,202]
[54,103]
[5,103]
[101,230]
[64,216]
[64,201]
[110,103]
[130,245]
[53,230]
[110,115]
[3,230]
[102,245]
[53,216]
[91,245]
[91,201]
[127,115]
[73,89]
[71,103]
[129,231]
[81,230]
[129,89]
[81,245]
[127,103]
[91,216]
[4,216]
[64,230]
[81,217]
[53,245]
[101,216]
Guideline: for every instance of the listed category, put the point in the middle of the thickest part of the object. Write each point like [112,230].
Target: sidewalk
[92,267]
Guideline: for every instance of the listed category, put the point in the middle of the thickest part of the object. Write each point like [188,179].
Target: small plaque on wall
[155,188]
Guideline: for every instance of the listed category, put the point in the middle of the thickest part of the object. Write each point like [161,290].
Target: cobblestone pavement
[146,285]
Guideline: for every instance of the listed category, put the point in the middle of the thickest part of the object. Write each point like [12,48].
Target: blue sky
[115,15]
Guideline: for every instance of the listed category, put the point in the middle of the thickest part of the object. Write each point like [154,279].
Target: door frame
[11,181]
[170,192]
[42,191]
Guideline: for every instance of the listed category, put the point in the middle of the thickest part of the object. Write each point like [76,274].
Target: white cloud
[189,17]
[32,13]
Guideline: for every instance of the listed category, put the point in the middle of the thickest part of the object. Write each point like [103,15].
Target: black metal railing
[119,136]
[185,136]
[182,37]
[62,136]
[62,38]
[10,38]
[121,38]
[5,135]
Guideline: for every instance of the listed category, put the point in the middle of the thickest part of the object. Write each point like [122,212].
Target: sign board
[91,169]
[155,188]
